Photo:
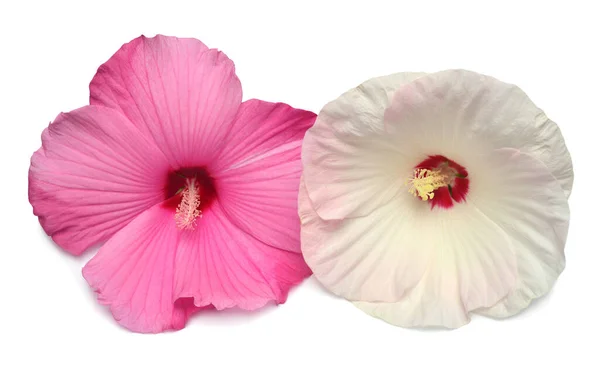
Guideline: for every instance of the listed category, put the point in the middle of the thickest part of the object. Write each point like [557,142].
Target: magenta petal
[178,91]
[147,272]
[93,174]
[218,264]
[133,274]
[258,174]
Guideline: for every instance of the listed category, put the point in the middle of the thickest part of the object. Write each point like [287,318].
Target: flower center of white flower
[188,210]
[439,177]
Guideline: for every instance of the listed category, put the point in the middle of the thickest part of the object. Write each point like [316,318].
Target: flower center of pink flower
[440,181]
[188,191]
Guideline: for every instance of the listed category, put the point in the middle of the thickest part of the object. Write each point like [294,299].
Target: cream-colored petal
[454,258]
[363,143]
[350,164]
[450,111]
[360,258]
[525,200]
[516,193]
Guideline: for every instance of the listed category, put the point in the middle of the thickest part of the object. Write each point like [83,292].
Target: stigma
[188,210]
[424,182]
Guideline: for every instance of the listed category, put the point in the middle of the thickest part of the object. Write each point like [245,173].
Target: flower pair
[422,197]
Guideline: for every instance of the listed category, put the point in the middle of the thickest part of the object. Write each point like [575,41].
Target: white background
[304,53]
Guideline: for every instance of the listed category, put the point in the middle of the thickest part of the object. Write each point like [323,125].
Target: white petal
[346,155]
[529,205]
[525,200]
[448,111]
[458,260]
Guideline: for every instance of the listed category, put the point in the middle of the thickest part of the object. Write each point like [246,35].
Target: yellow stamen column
[424,182]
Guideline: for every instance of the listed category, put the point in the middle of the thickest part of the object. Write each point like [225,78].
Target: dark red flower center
[177,182]
[440,181]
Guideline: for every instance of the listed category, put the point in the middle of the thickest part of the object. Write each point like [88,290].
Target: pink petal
[218,264]
[178,91]
[258,173]
[133,274]
[148,271]
[93,174]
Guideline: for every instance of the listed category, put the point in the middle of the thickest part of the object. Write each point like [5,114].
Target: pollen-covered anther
[188,209]
[424,182]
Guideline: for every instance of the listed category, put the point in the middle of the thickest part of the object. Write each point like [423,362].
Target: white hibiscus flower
[429,196]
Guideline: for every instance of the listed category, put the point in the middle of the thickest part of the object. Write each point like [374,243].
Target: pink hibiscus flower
[193,191]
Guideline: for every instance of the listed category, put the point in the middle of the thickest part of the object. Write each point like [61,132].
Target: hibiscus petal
[519,195]
[523,198]
[178,91]
[259,170]
[444,264]
[147,272]
[133,274]
[446,112]
[346,154]
[218,264]
[93,174]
